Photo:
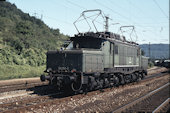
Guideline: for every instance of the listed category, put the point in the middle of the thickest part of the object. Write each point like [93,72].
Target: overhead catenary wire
[160,9]
[141,10]
[79,6]
[116,13]
[144,27]
[111,9]
[76,4]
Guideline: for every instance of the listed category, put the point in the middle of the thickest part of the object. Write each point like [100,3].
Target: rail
[125,107]
[159,108]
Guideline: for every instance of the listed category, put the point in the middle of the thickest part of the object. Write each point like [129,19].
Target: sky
[150,18]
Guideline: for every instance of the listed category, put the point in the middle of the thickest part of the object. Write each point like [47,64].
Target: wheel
[116,81]
[121,79]
[143,75]
[139,77]
[134,77]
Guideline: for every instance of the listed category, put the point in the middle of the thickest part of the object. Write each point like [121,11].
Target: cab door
[111,55]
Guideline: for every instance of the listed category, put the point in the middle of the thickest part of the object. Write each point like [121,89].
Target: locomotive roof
[112,37]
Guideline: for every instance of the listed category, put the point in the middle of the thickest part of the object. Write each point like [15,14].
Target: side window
[111,48]
[138,52]
[116,49]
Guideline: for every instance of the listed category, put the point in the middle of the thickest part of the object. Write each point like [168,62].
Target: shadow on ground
[51,91]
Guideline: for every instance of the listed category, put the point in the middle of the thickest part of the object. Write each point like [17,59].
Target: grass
[20,71]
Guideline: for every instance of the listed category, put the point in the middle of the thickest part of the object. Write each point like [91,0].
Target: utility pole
[107,24]
[35,14]
[149,51]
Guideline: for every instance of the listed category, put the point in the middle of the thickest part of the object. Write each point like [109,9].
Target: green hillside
[24,41]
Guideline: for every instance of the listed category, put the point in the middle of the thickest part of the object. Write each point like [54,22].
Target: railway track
[164,107]
[20,86]
[155,101]
[49,97]
[27,103]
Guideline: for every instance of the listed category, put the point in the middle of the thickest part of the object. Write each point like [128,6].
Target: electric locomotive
[95,61]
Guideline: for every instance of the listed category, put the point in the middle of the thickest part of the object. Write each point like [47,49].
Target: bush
[150,64]
[32,57]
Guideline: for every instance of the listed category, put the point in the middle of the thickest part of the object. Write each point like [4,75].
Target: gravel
[106,101]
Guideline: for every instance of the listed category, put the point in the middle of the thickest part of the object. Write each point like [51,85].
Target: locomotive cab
[82,56]
[87,43]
